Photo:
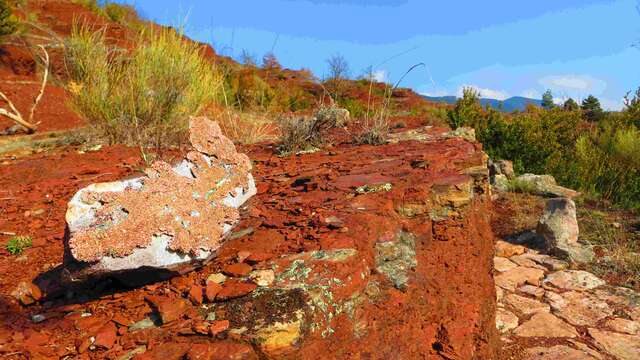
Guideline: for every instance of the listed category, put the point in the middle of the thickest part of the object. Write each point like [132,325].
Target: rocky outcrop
[544,185]
[168,218]
[559,227]
[570,314]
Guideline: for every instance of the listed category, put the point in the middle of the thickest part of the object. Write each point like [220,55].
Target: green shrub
[602,161]
[17,244]
[140,97]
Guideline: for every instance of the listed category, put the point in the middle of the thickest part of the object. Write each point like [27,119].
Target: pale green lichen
[396,258]
[366,189]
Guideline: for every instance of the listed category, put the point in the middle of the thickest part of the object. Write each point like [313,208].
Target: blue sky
[502,47]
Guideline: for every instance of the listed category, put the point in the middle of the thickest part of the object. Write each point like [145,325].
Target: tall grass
[143,96]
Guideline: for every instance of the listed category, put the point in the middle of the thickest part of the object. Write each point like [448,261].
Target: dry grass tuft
[140,97]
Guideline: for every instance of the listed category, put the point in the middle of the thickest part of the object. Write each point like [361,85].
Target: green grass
[17,244]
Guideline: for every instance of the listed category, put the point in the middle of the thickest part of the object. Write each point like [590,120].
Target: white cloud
[486,93]
[574,83]
[379,76]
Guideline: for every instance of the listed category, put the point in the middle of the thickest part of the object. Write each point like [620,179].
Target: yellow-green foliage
[246,88]
[143,96]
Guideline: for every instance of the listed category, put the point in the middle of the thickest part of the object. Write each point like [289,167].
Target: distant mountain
[508,105]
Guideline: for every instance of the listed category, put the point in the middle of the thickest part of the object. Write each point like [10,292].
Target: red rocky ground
[352,253]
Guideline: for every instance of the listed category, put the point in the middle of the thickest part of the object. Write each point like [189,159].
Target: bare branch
[14,114]
[44,83]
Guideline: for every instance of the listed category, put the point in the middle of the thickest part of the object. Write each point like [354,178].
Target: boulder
[171,218]
[545,185]
[559,227]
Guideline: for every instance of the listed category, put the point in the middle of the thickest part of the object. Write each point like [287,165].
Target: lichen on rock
[171,215]
[395,258]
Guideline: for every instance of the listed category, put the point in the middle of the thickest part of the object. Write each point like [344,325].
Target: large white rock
[559,227]
[171,217]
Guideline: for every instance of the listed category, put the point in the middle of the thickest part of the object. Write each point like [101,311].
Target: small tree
[467,110]
[632,107]
[570,105]
[8,23]
[592,109]
[547,100]
[338,67]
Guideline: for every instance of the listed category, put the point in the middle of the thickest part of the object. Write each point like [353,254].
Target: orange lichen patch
[190,210]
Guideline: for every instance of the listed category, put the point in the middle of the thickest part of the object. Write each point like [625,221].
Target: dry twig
[14,114]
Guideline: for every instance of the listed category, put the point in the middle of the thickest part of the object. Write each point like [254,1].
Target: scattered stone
[195,294]
[218,326]
[557,352]
[211,290]
[622,346]
[505,167]
[242,255]
[505,320]
[525,305]
[226,350]
[38,318]
[262,277]
[585,348]
[169,218]
[145,323]
[121,320]
[503,264]
[578,308]
[27,293]
[545,185]
[507,250]
[256,258]
[217,278]
[531,290]
[544,324]
[551,263]
[234,289]
[623,326]
[573,280]
[500,183]
[512,279]
[237,269]
[280,337]
[131,354]
[559,227]
[168,309]
[499,293]
[524,260]
[106,336]
[395,258]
